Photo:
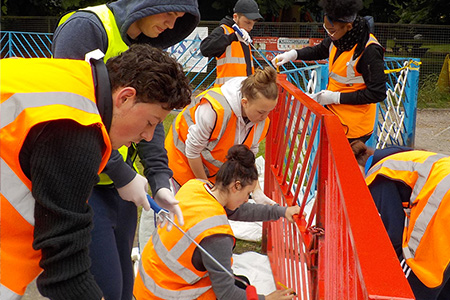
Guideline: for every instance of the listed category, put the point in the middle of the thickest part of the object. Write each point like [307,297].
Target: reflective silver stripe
[184,243]
[258,132]
[170,259]
[206,153]
[230,60]
[12,107]
[427,214]
[7,294]
[410,166]
[350,79]
[423,171]
[209,158]
[225,29]
[222,80]
[17,193]
[169,294]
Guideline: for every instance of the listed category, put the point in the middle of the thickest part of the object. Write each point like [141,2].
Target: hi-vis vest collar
[425,246]
[34,91]
[232,62]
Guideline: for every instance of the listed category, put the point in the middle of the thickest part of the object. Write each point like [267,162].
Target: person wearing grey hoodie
[112,28]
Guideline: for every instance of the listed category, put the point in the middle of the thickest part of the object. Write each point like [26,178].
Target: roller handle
[238,30]
[250,291]
[156,208]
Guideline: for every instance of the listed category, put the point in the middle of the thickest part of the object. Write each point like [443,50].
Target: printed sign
[269,45]
[187,52]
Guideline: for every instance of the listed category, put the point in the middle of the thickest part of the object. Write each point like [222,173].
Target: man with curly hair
[356,79]
[60,119]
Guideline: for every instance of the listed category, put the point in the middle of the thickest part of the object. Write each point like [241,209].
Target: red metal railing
[339,249]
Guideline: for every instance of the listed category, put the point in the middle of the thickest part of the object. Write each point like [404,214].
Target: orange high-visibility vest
[165,269]
[34,91]
[357,120]
[222,137]
[232,62]
[426,244]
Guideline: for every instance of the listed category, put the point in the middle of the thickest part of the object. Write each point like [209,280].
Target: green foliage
[273,7]
[422,11]
[4,7]
[430,96]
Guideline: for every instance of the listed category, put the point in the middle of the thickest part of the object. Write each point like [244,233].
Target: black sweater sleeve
[215,44]
[62,160]
[154,158]
[317,52]
[371,66]
[220,246]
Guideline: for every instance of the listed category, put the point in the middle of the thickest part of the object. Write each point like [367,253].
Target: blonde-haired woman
[235,113]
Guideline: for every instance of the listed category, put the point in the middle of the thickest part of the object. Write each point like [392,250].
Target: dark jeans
[112,241]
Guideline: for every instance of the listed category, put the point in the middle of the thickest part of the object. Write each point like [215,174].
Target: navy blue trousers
[112,241]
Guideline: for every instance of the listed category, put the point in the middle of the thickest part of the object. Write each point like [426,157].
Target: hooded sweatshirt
[199,133]
[73,40]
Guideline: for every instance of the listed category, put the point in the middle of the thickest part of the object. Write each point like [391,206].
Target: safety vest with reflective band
[222,137]
[232,62]
[34,91]
[115,46]
[426,244]
[357,120]
[166,270]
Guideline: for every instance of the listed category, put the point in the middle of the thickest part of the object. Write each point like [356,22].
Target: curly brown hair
[157,77]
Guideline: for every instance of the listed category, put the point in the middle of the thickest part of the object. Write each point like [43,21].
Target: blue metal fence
[396,115]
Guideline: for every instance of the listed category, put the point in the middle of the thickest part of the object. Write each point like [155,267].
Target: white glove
[260,198]
[313,96]
[326,97]
[164,197]
[284,58]
[136,191]
[245,38]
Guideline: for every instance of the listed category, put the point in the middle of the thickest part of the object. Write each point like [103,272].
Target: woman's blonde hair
[263,81]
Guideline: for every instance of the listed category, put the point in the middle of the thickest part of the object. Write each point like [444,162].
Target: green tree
[422,11]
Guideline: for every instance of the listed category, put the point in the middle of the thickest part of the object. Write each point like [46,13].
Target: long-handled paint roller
[250,290]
